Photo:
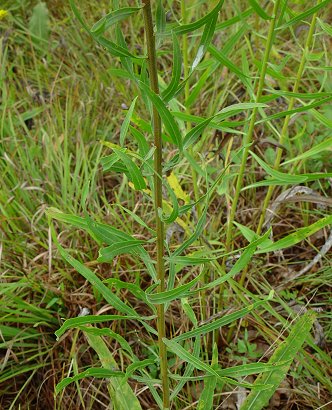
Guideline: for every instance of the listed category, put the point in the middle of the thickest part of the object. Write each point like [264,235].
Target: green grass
[59,104]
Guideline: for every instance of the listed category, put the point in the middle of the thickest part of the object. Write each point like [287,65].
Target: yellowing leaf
[175,185]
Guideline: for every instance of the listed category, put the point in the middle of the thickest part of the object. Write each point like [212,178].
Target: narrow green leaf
[240,17]
[207,36]
[169,295]
[206,400]
[143,145]
[99,373]
[192,136]
[240,264]
[194,236]
[189,369]
[301,96]
[134,172]
[295,110]
[258,9]
[137,365]
[114,49]
[326,27]
[200,365]
[119,248]
[189,260]
[305,14]
[251,235]
[297,236]
[89,320]
[273,181]
[109,333]
[285,352]
[187,28]
[109,161]
[166,116]
[171,89]
[220,56]
[112,18]
[133,288]
[244,370]
[189,311]
[91,277]
[316,149]
[110,235]
[223,321]
[290,179]
[126,122]
[123,398]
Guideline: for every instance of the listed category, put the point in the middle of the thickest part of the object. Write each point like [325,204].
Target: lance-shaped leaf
[192,136]
[171,89]
[206,400]
[187,28]
[110,46]
[223,321]
[123,397]
[169,295]
[166,116]
[110,235]
[323,146]
[291,179]
[303,108]
[274,181]
[200,365]
[134,172]
[305,14]
[258,9]
[88,320]
[207,35]
[99,373]
[118,248]
[91,277]
[220,56]
[112,18]
[297,236]
[285,352]
[126,122]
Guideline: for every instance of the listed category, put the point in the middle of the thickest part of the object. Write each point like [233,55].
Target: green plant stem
[152,63]
[249,135]
[284,131]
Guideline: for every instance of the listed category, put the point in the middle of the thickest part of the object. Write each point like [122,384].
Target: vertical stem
[153,74]
[284,131]
[248,137]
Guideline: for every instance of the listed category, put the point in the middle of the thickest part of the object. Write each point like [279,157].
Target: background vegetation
[61,96]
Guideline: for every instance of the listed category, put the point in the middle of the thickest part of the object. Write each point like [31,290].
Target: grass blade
[123,398]
[285,352]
